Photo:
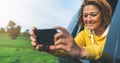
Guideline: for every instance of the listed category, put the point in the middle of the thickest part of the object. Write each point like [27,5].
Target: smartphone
[45,36]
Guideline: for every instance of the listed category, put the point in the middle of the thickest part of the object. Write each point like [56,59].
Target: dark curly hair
[104,8]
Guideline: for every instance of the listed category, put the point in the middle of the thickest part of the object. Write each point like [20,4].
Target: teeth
[90,23]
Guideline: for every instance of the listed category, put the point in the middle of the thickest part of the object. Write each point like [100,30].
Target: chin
[90,28]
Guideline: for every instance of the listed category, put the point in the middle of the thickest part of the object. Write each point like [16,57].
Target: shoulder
[84,32]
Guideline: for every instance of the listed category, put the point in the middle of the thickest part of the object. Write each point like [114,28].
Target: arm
[63,42]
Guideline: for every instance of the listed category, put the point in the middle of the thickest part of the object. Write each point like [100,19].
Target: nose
[89,18]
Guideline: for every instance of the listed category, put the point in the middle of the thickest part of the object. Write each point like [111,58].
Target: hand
[63,40]
[35,43]
[33,39]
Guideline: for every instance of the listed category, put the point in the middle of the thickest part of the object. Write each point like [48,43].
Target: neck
[100,31]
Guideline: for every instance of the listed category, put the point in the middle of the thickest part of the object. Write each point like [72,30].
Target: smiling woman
[94,16]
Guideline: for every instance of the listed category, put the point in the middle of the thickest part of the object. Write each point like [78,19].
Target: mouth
[90,24]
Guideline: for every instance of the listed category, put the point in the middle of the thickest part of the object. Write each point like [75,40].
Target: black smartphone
[45,36]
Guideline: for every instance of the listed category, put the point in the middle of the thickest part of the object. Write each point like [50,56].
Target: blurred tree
[11,24]
[18,28]
[13,30]
[26,34]
[2,30]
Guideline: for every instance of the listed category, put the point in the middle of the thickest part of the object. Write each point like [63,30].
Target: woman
[95,17]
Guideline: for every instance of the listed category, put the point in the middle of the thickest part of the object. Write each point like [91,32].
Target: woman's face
[92,17]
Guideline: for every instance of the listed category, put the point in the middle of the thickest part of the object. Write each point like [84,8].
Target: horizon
[38,13]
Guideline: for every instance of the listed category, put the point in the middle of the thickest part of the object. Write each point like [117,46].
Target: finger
[34,28]
[52,47]
[41,47]
[57,42]
[61,29]
[58,36]
[33,38]
[32,31]
[60,46]
[38,47]
[34,43]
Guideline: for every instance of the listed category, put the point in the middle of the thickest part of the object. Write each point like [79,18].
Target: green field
[20,50]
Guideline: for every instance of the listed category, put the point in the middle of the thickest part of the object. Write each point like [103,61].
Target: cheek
[98,22]
[98,19]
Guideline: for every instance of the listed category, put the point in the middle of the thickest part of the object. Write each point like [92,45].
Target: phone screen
[45,36]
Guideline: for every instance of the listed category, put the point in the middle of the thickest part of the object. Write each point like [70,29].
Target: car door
[111,53]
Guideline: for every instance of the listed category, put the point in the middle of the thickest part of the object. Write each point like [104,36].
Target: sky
[38,13]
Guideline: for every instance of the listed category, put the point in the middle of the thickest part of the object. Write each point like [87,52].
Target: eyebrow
[90,12]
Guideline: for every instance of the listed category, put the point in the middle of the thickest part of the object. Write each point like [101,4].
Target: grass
[20,50]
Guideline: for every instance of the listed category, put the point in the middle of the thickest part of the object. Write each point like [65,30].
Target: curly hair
[103,6]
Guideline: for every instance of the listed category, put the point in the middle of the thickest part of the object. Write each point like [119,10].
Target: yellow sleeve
[80,39]
[94,52]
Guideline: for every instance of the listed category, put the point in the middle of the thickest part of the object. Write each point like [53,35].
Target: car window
[73,25]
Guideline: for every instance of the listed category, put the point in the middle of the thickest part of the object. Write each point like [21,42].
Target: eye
[85,15]
[94,14]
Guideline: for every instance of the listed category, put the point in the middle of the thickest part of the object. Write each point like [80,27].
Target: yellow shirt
[93,44]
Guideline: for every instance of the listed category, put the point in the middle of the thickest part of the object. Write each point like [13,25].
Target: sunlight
[28,13]
[7,11]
